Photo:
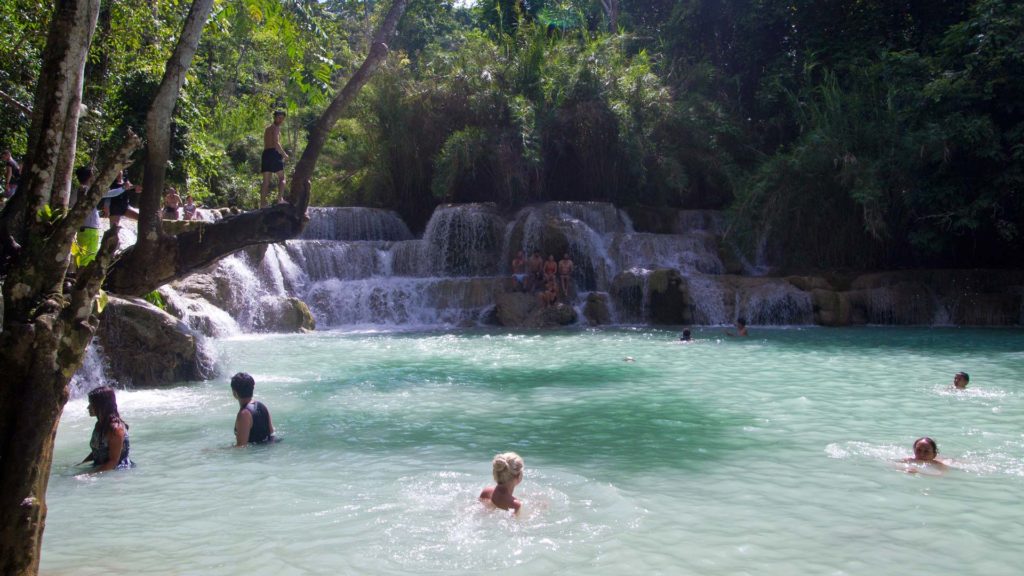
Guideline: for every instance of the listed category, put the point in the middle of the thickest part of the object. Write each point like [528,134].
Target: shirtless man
[272,162]
[550,269]
[519,271]
[535,267]
[565,269]
[172,201]
[741,328]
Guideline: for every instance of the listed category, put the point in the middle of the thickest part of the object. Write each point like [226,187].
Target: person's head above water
[741,322]
[925,449]
[961,379]
[242,385]
[104,403]
[507,468]
[686,335]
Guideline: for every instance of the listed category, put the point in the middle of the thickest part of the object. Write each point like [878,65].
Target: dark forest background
[837,133]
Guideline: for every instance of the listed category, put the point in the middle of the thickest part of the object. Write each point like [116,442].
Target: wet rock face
[596,310]
[285,314]
[520,310]
[146,346]
[668,298]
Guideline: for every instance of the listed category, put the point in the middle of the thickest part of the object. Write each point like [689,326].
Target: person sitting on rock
[253,423]
[565,268]
[172,201]
[519,271]
[535,269]
[549,297]
[550,269]
[189,209]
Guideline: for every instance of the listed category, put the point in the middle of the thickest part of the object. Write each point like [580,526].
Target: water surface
[767,455]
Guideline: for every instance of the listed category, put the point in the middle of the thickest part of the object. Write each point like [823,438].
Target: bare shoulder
[487,493]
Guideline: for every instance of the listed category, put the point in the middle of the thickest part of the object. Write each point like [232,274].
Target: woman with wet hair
[507,470]
[109,442]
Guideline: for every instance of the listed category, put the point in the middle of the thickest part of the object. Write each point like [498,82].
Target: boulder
[596,309]
[519,310]
[831,308]
[146,346]
[284,314]
[513,308]
[667,298]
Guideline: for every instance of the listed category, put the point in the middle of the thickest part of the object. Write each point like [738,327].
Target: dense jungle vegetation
[839,133]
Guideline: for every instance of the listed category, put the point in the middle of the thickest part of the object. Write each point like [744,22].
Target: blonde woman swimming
[507,469]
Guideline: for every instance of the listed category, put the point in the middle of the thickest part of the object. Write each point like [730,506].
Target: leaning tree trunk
[46,324]
[159,258]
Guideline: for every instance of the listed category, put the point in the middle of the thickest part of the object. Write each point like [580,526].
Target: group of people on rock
[550,280]
[174,209]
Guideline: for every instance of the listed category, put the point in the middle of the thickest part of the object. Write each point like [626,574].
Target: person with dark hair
[926,452]
[115,201]
[87,242]
[961,380]
[686,335]
[109,444]
[12,174]
[273,159]
[741,327]
[253,423]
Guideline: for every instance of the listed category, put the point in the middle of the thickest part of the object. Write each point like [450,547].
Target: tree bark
[322,128]
[611,11]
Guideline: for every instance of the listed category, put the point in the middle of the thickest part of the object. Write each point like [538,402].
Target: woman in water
[925,452]
[109,442]
[508,473]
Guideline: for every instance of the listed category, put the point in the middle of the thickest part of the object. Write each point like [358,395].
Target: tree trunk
[158,259]
[611,11]
[322,128]
[47,327]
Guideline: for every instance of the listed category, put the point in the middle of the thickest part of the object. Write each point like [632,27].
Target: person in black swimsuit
[253,423]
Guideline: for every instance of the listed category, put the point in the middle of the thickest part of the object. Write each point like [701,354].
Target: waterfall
[91,375]
[359,266]
[354,224]
[465,240]
[776,302]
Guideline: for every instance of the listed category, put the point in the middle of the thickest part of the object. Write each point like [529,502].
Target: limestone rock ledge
[146,346]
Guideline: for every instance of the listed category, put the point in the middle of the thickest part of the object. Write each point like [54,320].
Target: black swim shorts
[272,161]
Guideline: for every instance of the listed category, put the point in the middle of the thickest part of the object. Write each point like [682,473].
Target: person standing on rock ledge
[272,162]
[252,424]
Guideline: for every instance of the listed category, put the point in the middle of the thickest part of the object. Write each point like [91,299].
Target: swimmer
[925,452]
[507,470]
[961,380]
[741,328]
[686,336]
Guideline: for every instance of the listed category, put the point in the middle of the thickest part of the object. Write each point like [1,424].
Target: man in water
[686,335]
[274,157]
[741,328]
[961,380]
[253,423]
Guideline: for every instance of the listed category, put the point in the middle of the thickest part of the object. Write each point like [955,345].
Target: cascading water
[358,266]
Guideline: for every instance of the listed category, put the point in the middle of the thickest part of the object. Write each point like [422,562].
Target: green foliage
[156,299]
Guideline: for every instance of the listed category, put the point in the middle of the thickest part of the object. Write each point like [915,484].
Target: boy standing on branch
[274,157]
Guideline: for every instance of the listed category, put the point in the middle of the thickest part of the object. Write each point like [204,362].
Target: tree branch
[23,108]
[322,128]
[158,125]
